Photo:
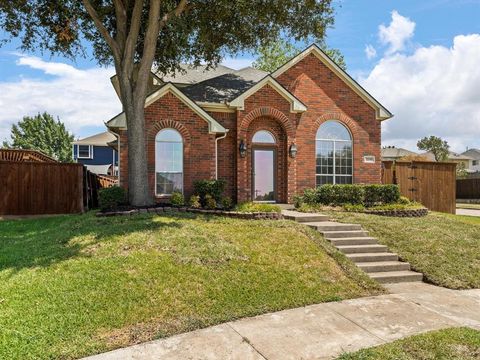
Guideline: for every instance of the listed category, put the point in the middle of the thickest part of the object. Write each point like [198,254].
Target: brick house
[269,136]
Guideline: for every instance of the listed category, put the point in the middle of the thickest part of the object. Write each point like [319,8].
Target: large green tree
[435,145]
[276,53]
[134,35]
[42,133]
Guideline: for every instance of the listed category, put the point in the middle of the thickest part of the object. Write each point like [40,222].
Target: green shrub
[381,194]
[210,202]
[111,198]
[227,203]
[404,200]
[258,207]
[356,194]
[214,188]
[177,199]
[298,201]
[194,202]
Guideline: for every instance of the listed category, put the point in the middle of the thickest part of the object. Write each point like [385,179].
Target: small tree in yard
[438,147]
[133,35]
[44,134]
[278,52]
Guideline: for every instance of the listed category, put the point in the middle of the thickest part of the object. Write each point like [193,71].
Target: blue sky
[422,64]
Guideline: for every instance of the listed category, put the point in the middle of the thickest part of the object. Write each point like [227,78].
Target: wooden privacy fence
[30,188]
[468,189]
[431,183]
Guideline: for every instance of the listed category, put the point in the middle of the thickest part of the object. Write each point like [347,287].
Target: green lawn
[446,248]
[78,285]
[456,343]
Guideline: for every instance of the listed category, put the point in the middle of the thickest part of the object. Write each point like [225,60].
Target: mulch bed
[168,209]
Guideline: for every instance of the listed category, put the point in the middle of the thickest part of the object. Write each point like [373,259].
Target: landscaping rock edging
[166,209]
[400,213]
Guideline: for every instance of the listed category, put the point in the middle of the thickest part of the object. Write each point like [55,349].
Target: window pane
[169,135]
[333,130]
[167,183]
[169,157]
[83,150]
[263,136]
[322,180]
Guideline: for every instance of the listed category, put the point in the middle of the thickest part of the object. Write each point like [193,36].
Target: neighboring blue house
[97,153]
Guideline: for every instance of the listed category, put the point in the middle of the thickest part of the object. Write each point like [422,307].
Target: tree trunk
[138,189]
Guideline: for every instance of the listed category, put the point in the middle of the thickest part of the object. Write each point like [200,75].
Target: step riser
[384,268]
[307,218]
[373,258]
[344,234]
[364,249]
[359,241]
[398,279]
[326,228]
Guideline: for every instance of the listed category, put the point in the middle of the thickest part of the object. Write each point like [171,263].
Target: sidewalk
[321,331]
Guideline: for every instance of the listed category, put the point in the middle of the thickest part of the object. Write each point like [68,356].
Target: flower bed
[167,209]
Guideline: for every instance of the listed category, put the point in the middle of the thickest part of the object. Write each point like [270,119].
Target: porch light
[243,149]
[293,150]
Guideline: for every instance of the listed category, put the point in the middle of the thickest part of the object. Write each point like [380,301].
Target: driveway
[321,331]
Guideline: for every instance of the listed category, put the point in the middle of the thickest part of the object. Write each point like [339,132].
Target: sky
[420,59]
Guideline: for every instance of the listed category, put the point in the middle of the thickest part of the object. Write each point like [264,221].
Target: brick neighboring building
[270,136]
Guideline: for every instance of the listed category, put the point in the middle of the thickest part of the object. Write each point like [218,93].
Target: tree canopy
[278,52]
[437,146]
[44,134]
[135,35]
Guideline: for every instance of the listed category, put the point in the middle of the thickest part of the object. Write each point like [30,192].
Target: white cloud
[83,99]
[370,52]
[396,34]
[434,91]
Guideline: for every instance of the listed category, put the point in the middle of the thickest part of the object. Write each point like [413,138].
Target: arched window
[334,154]
[168,162]
[264,137]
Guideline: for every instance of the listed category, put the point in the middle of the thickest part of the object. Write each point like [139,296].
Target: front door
[263,165]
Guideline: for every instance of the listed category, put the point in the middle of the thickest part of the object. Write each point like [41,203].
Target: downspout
[216,152]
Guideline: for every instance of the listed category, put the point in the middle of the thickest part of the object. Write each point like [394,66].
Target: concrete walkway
[468,212]
[321,331]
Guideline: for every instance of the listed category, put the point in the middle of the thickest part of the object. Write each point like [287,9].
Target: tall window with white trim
[334,154]
[168,162]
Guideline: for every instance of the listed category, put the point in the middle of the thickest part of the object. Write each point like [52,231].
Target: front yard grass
[455,343]
[446,248]
[72,286]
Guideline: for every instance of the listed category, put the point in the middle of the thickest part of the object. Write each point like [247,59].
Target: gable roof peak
[381,112]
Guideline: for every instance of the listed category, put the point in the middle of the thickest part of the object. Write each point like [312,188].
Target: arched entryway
[267,160]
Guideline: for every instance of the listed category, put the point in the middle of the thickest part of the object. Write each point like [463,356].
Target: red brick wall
[329,98]
[199,145]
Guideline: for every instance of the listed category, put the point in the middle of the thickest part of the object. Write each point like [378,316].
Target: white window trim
[90,152]
[169,172]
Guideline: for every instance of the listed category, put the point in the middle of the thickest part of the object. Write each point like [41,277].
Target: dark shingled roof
[216,85]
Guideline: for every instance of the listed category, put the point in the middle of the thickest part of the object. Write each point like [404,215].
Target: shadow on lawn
[41,242]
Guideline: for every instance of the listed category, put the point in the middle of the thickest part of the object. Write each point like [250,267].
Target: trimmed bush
[227,203]
[111,198]
[356,194]
[210,202]
[214,188]
[194,202]
[177,199]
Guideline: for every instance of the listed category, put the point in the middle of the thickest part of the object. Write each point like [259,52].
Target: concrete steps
[383,266]
[375,259]
[390,277]
[362,249]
